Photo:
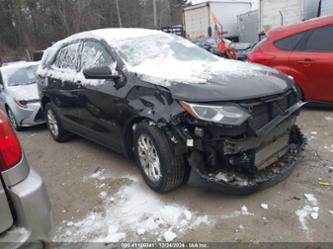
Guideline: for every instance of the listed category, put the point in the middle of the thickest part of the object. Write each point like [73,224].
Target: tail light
[10,149]
[259,56]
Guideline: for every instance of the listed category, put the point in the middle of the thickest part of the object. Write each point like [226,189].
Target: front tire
[54,124]
[12,119]
[162,170]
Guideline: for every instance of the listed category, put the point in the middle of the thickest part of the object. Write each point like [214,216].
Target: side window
[94,54]
[67,57]
[320,40]
[289,43]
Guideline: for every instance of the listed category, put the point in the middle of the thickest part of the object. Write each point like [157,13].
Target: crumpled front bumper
[232,182]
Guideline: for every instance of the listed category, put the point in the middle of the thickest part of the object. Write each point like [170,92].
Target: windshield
[161,47]
[22,76]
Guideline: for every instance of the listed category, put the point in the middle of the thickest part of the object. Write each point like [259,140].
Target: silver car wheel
[149,159]
[52,122]
[12,118]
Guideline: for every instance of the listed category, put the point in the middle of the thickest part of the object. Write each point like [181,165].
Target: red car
[304,51]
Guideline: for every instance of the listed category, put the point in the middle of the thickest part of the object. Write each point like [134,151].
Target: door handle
[306,62]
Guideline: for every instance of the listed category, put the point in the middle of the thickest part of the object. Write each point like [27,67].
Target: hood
[24,92]
[223,80]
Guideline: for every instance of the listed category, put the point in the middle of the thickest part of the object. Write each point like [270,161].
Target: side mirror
[100,73]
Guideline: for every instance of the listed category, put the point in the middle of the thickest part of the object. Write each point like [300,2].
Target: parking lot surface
[98,195]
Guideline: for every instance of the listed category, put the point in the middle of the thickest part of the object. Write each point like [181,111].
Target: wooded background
[28,25]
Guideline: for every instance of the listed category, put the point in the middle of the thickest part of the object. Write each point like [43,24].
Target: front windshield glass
[22,76]
[161,47]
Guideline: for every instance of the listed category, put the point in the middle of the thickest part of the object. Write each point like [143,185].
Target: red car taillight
[259,56]
[10,148]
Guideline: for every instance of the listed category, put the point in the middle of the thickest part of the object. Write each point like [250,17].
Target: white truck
[199,19]
[248,26]
[276,13]
[326,8]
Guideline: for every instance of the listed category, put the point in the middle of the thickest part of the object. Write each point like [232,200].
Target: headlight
[24,103]
[227,114]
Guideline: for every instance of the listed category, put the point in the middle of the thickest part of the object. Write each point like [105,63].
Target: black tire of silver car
[12,119]
[54,125]
[162,170]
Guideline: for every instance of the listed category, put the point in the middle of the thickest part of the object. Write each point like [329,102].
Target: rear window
[289,43]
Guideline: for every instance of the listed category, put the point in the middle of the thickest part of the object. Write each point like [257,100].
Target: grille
[268,109]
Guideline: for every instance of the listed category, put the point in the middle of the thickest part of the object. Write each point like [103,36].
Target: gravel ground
[98,195]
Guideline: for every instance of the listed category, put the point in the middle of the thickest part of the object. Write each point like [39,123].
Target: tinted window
[94,54]
[320,40]
[67,56]
[289,43]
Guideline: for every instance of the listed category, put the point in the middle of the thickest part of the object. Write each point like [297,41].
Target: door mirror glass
[100,73]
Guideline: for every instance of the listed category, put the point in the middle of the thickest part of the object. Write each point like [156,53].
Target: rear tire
[169,172]
[13,121]
[54,124]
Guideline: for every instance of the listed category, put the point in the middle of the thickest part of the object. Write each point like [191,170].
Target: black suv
[177,109]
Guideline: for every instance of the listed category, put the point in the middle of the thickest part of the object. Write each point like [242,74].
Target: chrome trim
[16,174]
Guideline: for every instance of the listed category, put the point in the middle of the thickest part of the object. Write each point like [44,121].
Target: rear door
[6,218]
[313,58]
[61,83]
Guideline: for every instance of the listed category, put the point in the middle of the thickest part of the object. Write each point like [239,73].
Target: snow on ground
[311,209]
[131,212]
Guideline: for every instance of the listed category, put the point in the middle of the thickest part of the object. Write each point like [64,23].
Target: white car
[19,97]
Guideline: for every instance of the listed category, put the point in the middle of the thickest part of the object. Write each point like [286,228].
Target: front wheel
[162,170]
[12,119]
[54,125]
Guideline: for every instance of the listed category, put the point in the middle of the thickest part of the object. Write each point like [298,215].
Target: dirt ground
[97,195]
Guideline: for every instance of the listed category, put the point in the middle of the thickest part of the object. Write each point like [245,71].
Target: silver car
[25,216]
[19,96]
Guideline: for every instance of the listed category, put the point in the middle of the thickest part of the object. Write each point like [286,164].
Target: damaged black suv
[177,109]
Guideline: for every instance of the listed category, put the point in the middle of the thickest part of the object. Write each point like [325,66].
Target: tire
[54,124]
[171,173]
[13,121]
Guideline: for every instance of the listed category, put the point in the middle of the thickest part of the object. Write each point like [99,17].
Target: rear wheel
[54,125]
[162,170]
[12,119]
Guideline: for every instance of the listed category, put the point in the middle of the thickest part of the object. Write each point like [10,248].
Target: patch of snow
[132,211]
[264,205]
[330,119]
[140,231]
[314,133]
[311,198]
[311,209]
[330,211]
[244,210]
[169,236]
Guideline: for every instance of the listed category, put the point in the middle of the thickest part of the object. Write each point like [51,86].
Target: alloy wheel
[149,158]
[52,122]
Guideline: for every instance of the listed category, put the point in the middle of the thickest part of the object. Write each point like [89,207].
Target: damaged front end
[243,158]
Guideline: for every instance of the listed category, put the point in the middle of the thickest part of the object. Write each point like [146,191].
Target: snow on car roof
[110,35]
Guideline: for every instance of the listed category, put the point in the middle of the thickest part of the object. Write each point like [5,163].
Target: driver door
[98,98]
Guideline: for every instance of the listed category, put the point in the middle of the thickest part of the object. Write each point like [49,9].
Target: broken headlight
[227,114]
